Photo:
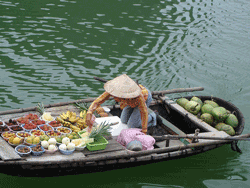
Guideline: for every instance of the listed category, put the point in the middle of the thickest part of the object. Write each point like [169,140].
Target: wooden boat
[176,121]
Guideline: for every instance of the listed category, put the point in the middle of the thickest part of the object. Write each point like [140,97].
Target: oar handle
[100,79]
[244,137]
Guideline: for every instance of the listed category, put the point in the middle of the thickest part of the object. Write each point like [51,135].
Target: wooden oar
[229,138]
[178,90]
[21,110]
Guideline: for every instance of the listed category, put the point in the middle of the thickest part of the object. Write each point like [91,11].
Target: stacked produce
[210,112]
[69,119]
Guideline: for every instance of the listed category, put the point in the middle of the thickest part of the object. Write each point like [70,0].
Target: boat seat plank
[7,152]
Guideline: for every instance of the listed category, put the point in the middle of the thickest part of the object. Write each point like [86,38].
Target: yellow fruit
[36,140]
[11,139]
[16,140]
[29,140]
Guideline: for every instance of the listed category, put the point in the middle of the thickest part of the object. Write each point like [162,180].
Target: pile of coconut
[210,112]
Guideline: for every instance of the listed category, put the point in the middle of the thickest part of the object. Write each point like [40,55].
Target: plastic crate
[99,144]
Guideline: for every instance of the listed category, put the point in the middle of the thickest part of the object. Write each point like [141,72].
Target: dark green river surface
[51,50]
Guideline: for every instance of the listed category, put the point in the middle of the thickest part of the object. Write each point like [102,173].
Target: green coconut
[197,99]
[212,103]
[219,126]
[182,101]
[193,107]
[232,120]
[219,113]
[208,118]
[226,128]
[207,108]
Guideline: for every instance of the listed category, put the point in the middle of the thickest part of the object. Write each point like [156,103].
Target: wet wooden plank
[7,152]
[56,157]
[112,146]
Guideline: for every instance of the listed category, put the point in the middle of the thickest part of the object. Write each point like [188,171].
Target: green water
[50,51]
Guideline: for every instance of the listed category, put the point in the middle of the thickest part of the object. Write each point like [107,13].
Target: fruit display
[46,116]
[67,147]
[1,123]
[32,116]
[44,137]
[45,127]
[37,148]
[73,135]
[23,120]
[23,134]
[210,112]
[25,149]
[64,130]
[29,126]
[11,122]
[4,128]
[69,119]
[8,134]
[79,142]
[55,124]
[16,128]
[37,132]
[32,140]
[38,122]
[52,141]
[15,140]
[53,133]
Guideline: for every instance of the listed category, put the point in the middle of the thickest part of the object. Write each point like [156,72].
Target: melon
[212,103]
[182,102]
[232,120]
[208,118]
[193,107]
[207,108]
[197,99]
[219,113]
[226,128]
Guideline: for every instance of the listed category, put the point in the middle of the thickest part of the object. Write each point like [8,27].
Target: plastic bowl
[37,153]
[6,138]
[17,134]
[4,128]
[40,127]
[41,132]
[22,154]
[14,145]
[16,128]
[48,134]
[54,127]
[27,130]
[66,152]
[78,148]
[70,131]
[51,151]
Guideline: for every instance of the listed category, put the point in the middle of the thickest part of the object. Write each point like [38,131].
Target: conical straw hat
[122,87]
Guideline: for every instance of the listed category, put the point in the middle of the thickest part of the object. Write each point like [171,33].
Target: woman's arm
[96,103]
[144,113]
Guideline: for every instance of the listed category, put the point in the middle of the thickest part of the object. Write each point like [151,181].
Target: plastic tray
[99,144]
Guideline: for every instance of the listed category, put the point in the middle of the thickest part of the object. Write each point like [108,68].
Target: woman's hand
[90,119]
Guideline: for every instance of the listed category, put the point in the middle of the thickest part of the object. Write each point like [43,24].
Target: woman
[134,100]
